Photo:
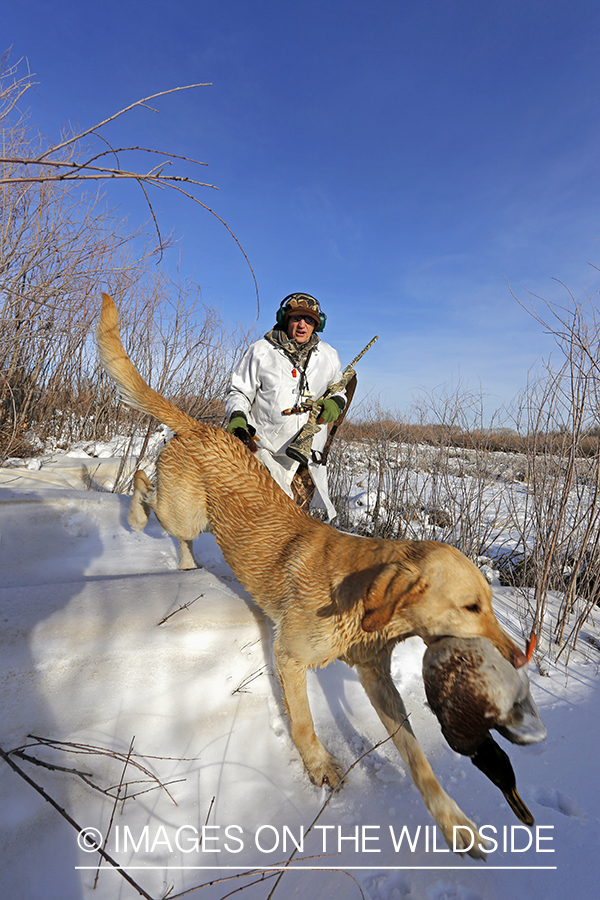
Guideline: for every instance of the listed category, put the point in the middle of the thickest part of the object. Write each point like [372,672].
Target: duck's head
[495,764]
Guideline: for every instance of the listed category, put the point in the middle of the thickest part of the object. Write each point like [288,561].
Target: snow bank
[83,659]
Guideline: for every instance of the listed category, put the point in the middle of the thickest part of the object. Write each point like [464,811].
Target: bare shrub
[58,248]
[559,528]
[415,482]
[385,496]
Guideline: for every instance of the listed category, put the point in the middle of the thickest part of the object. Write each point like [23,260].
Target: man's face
[300,327]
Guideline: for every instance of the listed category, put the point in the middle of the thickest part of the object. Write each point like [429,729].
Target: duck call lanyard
[302,392]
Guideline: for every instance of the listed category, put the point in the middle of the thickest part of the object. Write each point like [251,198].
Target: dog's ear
[352,590]
[395,586]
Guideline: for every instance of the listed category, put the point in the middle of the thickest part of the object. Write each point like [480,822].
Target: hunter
[270,389]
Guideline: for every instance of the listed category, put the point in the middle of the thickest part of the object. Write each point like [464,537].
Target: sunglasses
[296,318]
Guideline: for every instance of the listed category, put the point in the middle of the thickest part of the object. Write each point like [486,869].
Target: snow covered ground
[85,660]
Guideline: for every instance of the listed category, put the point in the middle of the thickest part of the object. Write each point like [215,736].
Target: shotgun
[301,446]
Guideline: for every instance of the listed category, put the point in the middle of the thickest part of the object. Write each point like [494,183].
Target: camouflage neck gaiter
[298,354]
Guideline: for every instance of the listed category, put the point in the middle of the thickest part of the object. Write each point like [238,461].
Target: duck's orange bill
[530,646]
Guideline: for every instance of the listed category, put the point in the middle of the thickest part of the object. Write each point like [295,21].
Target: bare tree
[58,245]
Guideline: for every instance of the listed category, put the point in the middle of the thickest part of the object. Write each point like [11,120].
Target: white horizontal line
[261,868]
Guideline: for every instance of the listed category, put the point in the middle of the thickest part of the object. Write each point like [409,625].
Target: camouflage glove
[331,408]
[237,420]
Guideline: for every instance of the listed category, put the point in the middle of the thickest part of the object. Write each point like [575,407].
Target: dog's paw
[326,771]
[466,839]
[461,834]
[137,518]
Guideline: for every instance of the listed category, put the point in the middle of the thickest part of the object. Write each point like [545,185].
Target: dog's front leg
[377,682]
[322,767]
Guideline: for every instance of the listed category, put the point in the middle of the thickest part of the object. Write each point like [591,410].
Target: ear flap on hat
[394,587]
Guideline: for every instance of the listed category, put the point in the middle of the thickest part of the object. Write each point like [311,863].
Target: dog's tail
[132,387]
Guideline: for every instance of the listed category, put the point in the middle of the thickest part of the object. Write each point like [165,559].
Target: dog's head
[432,590]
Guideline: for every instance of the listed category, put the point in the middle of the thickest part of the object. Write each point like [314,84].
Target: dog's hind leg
[322,767]
[140,506]
[186,555]
[459,832]
[143,501]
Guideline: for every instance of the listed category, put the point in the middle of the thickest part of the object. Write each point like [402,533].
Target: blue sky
[399,160]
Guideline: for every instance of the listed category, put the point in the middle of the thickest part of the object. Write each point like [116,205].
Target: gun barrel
[362,352]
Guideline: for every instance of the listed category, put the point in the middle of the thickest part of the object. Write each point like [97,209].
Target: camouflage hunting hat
[301,305]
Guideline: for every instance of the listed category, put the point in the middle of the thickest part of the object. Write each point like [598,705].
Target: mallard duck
[472,689]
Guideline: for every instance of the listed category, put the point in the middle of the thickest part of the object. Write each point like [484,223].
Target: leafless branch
[180,608]
[241,688]
[90,750]
[91,842]
[78,137]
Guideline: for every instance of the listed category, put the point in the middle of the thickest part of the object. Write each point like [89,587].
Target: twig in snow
[179,608]
[241,688]
[112,815]
[89,840]
[91,750]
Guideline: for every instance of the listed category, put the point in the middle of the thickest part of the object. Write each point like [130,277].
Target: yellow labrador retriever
[330,595]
